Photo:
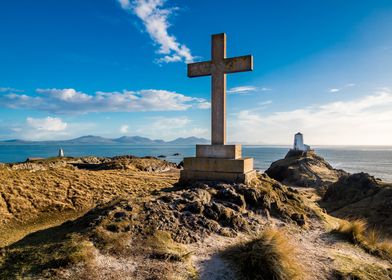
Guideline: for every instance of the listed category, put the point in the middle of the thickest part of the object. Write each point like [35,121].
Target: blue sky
[116,67]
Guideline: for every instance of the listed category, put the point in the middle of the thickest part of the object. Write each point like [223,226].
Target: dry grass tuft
[269,256]
[369,239]
[354,229]
[163,247]
[351,268]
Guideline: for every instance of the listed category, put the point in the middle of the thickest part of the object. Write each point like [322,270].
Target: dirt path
[319,253]
[207,260]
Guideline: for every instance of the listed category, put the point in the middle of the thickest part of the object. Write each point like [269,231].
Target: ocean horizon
[375,160]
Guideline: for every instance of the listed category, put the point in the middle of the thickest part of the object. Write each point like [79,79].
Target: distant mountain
[132,140]
[189,141]
[89,139]
[137,140]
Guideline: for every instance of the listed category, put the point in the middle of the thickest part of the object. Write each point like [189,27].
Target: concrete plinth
[218,169]
[219,151]
[242,165]
[192,175]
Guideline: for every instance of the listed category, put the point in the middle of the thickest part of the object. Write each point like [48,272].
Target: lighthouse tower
[61,152]
[299,143]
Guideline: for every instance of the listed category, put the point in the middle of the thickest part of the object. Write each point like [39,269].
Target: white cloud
[242,89]
[155,18]
[204,105]
[363,121]
[124,128]
[68,101]
[49,128]
[169,128]
[265,103]
[8,89]
[47,124]
[334,90]
[125,4]
[246,89]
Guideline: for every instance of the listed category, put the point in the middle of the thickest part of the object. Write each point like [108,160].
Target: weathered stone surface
[199,209]
[219,151]
[192,175]
[243,165]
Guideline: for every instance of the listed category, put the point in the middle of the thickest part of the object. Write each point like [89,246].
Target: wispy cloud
[124,128]
[173,127]
[366,120]
[204,105]
[246,89]
[48,128]
[334,90]
[264,103]
[71,101]
[155,18]
[170,123]
[8,89]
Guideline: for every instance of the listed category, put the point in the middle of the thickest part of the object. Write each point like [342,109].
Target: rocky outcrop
[361,196]
[148,164]
[304,169]
[197,210]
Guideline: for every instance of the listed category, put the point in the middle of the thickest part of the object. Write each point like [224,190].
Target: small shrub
[269,256]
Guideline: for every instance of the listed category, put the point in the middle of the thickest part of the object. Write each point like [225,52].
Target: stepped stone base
[218,169]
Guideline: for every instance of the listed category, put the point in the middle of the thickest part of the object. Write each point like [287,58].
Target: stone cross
[218,67]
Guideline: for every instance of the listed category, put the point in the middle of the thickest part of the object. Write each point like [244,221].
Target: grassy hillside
[127,218]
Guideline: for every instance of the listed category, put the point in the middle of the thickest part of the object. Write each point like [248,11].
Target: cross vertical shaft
[218,67]
[218,107]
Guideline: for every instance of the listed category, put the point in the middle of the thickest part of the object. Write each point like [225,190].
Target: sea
[375,160]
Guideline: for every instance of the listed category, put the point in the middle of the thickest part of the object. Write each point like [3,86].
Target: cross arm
[239,64]
[199,69]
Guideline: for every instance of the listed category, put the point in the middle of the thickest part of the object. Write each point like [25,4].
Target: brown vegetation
[33,199]
[269,256]
[369,239]
[354,269]
[111,219]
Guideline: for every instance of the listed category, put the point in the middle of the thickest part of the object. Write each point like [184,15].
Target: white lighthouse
[299,143]
[61,152]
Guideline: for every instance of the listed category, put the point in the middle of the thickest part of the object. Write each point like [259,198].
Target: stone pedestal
[218,163]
